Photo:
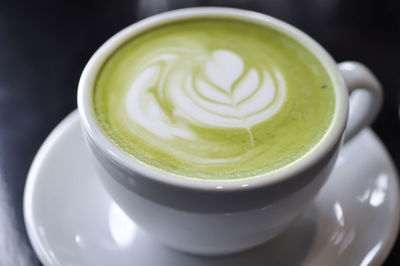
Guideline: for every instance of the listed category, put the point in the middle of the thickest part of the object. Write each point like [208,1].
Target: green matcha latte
[214,99]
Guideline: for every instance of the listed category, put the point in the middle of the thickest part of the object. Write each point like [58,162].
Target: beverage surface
[214,99]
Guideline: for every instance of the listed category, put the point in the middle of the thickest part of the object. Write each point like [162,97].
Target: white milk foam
[211,89]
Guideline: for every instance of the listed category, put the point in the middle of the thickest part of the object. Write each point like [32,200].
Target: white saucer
[72,221]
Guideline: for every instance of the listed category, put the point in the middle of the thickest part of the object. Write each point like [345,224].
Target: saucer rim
[31,181]
[386,249]
[62,129]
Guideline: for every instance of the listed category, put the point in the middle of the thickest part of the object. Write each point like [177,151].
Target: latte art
[212,89]
[213,99]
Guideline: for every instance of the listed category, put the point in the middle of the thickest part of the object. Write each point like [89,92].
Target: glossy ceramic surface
[72,221]
[199,215]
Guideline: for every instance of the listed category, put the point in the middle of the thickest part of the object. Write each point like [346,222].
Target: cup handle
[366,96]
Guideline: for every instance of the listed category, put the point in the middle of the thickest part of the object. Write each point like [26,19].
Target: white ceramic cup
[220,217]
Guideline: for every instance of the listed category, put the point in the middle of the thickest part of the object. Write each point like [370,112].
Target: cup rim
[112,152]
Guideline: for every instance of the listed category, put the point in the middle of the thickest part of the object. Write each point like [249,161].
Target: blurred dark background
[45,45]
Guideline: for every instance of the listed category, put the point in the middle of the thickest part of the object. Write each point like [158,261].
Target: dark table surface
[44,47]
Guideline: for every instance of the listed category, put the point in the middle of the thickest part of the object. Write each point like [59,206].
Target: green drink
[214,99]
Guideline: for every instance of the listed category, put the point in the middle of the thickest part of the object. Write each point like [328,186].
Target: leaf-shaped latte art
[214,89]
[214,99]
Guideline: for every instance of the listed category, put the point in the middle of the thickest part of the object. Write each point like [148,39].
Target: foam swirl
[214,99]
[176,87]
